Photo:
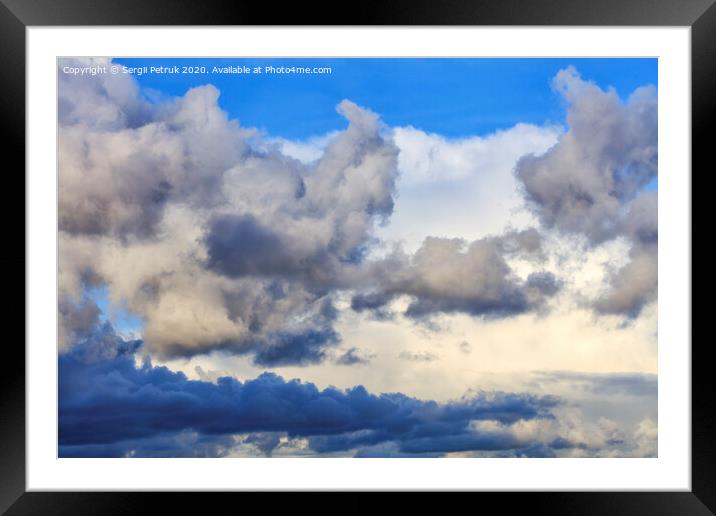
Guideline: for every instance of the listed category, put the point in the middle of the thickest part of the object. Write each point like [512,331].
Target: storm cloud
[114,404]
[109,403]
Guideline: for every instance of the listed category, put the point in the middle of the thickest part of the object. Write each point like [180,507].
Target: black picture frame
[17,15]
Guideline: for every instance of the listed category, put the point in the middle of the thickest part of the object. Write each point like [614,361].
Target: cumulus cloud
[461,187]
[633,286]
[107,101]
[220,241]
[215,242]
[600,163]
[450,275]
[431,158]
[116,180]
[591,182]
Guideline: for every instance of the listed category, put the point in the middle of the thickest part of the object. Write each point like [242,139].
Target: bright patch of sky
[126,323]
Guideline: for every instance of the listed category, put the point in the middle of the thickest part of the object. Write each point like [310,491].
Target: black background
[15,15]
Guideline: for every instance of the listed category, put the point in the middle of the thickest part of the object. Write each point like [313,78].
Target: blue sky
[123,320]
[452,97]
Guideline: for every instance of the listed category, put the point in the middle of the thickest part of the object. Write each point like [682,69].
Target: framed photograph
[424,248]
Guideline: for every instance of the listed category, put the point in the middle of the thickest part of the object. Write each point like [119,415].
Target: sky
[452,97]
[399,258]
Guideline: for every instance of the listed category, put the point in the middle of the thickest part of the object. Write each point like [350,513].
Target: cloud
[599,164]
[646,437]
[465,347]
[185,444]
[77,319]
[633,286]
[641,220]
[353,356]
[105,101]
[284,349]
[219,241]
[266,442]
[607,384]
[461,187]
[110,405]
[117,179]
[422,356]
[449,275]
[431,158]
[592,182]
[224,240]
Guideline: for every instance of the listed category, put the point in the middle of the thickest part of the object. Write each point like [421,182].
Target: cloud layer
[107,400]
[112,404]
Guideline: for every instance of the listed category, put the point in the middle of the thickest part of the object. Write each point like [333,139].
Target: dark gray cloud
[239,245]
[353,356]
[295,349]
[109,406]
[370,301]
[373,303]
[183,444]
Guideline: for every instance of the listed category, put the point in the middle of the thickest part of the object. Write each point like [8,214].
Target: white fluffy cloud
[439,176]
